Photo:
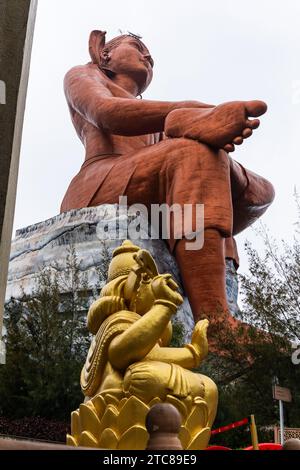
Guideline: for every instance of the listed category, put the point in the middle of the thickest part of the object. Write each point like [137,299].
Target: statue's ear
[96,44]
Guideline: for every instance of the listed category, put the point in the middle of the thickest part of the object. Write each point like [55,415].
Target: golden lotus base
[110,423]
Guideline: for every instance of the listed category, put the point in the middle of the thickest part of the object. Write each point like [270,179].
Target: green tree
[260,346]
[47,343]
[178,334]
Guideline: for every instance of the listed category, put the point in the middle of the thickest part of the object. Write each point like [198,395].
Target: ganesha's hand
[144,268]
[199,343]
[146,263]
[165,291]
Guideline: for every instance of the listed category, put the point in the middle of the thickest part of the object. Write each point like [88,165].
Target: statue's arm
[181,356]
[88,94]
[140,338]
[191,355]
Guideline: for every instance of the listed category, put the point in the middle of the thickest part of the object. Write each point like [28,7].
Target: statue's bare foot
[251,109]
[223,127]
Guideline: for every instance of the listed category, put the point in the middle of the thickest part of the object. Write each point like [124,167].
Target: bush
[36,428]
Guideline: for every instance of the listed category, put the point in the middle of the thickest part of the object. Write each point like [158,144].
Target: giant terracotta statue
[164,152]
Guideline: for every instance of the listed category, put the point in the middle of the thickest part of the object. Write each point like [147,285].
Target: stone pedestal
[89,231]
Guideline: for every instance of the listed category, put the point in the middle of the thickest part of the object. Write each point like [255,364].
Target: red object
[218,448]
[266,446]
[237,424]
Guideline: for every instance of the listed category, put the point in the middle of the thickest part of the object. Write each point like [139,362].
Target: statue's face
[132,58]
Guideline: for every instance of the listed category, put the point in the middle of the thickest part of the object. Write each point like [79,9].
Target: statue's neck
[127,83]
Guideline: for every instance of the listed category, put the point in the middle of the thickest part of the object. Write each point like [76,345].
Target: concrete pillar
[17,18]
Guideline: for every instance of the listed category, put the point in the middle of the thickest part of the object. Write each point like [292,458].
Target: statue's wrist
[194,352]
[167,303]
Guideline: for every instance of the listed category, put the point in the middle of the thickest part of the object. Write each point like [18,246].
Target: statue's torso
[100,142]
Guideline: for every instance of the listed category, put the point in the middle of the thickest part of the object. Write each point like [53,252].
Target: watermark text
[160,221]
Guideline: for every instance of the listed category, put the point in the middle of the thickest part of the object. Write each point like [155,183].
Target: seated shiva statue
[165,152]
[130,354]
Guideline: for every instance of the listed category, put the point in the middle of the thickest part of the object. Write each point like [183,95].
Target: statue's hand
[165,288]
[146,263]
[199,339]
[145,268]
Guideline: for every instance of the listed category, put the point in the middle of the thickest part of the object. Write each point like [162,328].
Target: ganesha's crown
[123,260]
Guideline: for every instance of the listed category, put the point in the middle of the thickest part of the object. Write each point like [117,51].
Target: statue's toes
[247,132]
[238,140]
[255,108]
[229,148]
[252,123]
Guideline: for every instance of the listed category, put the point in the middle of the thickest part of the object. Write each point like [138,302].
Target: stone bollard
[291,444]
[163,425]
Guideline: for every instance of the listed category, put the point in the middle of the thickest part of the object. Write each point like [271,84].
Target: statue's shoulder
[88,71]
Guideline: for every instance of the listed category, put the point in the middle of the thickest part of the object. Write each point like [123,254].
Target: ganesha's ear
[96,44]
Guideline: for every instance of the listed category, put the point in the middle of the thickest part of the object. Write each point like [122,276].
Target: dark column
[17,19]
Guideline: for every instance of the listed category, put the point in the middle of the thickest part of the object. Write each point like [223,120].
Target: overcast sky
[212,51]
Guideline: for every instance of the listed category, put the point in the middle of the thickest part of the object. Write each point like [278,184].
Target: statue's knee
[141,380]
[182,148]
[211,391]
[211,398]
[182,143]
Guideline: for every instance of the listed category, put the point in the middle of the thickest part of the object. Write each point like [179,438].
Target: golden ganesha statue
[130,366]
